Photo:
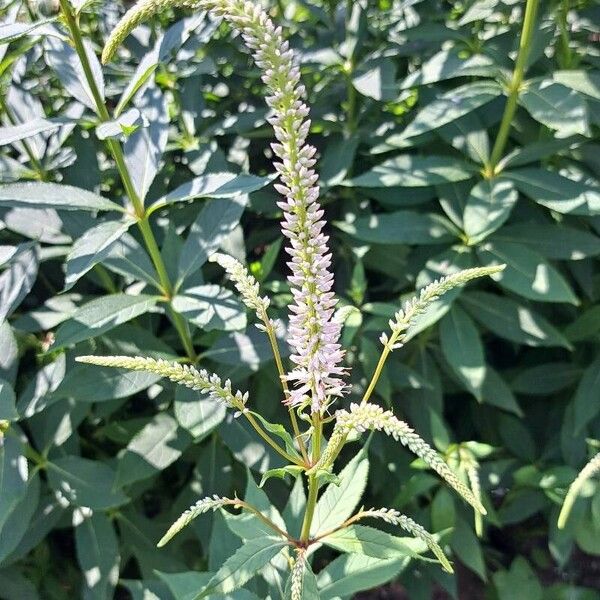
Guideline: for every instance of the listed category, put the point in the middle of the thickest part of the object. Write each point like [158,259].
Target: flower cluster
[244,283]
[190,377]
[200,507]
[367,417]
[414,307]
[393,517]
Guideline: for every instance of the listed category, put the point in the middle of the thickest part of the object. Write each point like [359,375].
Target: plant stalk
[313,483]
[514,87]
[136,202]
[267,438]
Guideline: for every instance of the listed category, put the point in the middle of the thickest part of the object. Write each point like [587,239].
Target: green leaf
[97,550]
[352,573]
[102,315]
[488,206]
[211,307]
[281,473]
[547,378]
[13,476]
[586,326]
[448,64]
[280,431]
[85,483]
[535,151]
[247,561]
[16,521]
[495,392]
[401,227]
[586,82]
[519,583]
[185,586]
[467,547]
[216,221]
[21,131]
[553,241]
[18,278]
[247,525]
[338,502]
[372,542]
[8,411]
[462,348]
[557,192]
[585,402]
[451,106]
[91,248]
[527,273]
[10,32]
[511,320]
[157,445]
[376,78]
[408,170]
[337,159]
[89,383]
[555,106]
[197,414]
[53,195]
[212,185]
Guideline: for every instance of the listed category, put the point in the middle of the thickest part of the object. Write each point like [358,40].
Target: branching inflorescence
[316,376]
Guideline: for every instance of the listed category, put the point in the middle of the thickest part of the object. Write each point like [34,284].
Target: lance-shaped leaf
[247,561]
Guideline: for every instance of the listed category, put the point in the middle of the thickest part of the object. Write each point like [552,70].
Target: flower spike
[366,417]
[181,374]
[588,471]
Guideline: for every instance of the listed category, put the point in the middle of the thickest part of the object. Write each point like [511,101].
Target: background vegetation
[425,171]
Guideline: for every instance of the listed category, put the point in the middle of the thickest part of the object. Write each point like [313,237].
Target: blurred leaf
[511,320]
[552,241]
[18,278]
[585,402]
[527,273]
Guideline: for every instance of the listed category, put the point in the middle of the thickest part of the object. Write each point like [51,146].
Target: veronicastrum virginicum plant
[317,377]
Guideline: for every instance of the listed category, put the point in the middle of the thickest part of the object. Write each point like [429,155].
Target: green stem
[313,483]
[265,436]
[514,87]
[136,202]
[277,355]
[566,54]
[264,519]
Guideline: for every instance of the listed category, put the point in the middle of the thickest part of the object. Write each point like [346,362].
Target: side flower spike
[185,375]
[367,417]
